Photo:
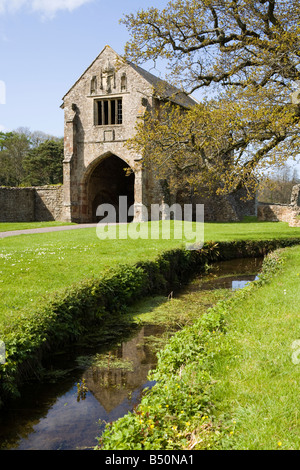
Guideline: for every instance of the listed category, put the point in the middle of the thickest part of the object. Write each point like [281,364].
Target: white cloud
[48,8]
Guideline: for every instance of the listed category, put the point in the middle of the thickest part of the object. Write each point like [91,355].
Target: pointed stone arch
[106,179]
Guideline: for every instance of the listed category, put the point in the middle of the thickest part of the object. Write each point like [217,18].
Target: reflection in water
[233,274]
[242,283]
[114,381]
[52,416]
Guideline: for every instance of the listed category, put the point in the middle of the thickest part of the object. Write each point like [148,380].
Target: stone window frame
[108,111]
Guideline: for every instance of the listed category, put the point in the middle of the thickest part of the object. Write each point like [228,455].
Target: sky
[45,46]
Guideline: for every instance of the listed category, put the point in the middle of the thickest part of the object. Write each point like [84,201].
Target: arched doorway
[109,180]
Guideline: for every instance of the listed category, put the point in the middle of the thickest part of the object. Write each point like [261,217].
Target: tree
[245,54]
[13,148]
[277,187]
[30,158]
[43,164]
[36,137]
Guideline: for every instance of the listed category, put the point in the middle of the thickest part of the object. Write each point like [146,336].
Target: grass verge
[258,392]
[230,380]
[13,226]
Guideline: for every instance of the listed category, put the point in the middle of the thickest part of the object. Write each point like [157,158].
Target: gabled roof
[164,89]
[88,69]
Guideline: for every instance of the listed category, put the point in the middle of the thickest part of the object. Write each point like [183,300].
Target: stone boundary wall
[49,203]
[45,203]
[278,213]
[34,204]
[289,213]
[16,205]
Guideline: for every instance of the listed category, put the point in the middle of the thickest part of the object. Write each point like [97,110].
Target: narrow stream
[90,387]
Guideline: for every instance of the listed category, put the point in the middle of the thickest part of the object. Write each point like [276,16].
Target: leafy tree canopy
[13,148]
[245,54]
[43,164]
[30,158]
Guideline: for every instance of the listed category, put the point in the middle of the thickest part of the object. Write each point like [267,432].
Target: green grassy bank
[35,266]
[231,379]
[56,285]
[68,314]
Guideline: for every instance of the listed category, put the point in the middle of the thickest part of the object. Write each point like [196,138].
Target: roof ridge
[105,47]
[182,98]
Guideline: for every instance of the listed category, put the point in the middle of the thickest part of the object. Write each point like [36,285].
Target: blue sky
[45,46]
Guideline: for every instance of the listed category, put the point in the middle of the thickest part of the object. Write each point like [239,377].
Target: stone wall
[48,203]
[289,213]
[224,208]
[35,204]
[16,205]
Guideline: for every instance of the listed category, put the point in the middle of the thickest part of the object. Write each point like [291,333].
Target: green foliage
[170,270]
[43,164]
[166,416]
[30,158]
[246,121]
[65,315]
[13,148]
[178,412]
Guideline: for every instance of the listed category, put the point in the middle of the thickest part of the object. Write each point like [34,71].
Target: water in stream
[96,386]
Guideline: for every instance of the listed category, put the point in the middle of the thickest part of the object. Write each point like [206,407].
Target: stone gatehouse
[100,113]
[101,110]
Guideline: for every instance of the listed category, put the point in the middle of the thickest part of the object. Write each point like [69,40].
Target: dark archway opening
[111,179]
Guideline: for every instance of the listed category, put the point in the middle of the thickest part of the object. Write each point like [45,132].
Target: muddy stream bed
[87,387]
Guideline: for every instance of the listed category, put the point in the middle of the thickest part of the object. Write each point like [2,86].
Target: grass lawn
[248,374]
[259,387]
[12,226]
[230,381]
[35,265]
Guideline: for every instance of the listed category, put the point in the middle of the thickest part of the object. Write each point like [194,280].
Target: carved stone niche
[108,78]
[94,85]
[123,82]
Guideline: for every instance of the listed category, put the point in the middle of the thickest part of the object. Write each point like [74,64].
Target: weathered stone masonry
[35,204]
[289,213]
[100,113]
[101,110]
